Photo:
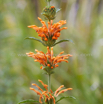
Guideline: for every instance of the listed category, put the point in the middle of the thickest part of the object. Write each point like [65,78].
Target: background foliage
[84,72]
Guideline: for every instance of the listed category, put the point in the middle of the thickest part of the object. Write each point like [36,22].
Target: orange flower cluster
[48,96]
[48,59]
[52,32]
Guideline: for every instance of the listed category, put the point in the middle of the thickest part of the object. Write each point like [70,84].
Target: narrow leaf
[64,40]
[28,101]
[65,98]
[33,38]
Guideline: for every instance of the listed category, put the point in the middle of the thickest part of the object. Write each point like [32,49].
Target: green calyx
[49,12]
[49,42]
[48,70]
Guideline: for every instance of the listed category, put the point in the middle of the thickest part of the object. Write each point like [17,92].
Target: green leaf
[64,40]
[28,101]
[58,10]
[65,98]
[33,38]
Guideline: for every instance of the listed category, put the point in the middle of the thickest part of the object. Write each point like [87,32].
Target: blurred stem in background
[49,82]
[48,2]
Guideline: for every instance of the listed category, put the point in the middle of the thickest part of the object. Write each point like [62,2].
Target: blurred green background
[84,72]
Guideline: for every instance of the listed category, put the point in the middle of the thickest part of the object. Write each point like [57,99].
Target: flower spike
[49,32]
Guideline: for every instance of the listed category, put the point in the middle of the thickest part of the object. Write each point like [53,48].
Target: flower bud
[49,12]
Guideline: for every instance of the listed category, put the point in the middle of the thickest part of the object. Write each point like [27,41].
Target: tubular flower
[46,95]
[48,60]
[49,34]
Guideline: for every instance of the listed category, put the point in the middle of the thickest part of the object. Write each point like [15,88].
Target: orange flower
[48,59]
[62,91]
[58,89]
[48,95]
[45,86]
[51,32]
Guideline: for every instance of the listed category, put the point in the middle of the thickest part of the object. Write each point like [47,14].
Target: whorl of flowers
[48,60]
[49,34]
[47,96]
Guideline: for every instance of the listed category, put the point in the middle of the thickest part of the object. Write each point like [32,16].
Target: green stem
[49,85]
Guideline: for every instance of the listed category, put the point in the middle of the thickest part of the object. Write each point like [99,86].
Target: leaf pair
[64,40]
[31,101]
